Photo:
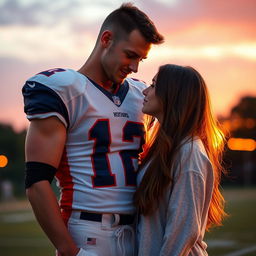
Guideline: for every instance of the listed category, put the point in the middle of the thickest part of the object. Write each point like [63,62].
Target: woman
[178,196]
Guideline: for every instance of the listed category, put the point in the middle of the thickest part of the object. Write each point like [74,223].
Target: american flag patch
[91,241]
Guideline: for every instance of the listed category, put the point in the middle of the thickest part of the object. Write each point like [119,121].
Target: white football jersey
[105,133]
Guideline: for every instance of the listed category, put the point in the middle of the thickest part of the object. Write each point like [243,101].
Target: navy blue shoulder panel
[40,99]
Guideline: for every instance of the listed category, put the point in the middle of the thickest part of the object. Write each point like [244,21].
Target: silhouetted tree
[242,122]
[246,108]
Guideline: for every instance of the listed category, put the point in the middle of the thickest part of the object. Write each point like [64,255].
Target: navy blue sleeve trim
[40,99]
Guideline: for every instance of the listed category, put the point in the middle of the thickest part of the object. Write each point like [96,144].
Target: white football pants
[105,238]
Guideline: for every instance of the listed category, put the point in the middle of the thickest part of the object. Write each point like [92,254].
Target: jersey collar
[118,96]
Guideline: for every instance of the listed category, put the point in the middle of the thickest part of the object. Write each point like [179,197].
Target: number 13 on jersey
[101,134]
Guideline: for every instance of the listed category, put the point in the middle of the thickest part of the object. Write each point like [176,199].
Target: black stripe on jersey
[39,99]
[121,93]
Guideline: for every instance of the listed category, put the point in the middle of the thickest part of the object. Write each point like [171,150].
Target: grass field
[239,230]
[20,235]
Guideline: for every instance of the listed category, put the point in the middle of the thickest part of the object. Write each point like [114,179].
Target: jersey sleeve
[139,84]
[55,92]
[41,102]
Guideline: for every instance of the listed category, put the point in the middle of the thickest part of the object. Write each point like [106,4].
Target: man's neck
[90,72]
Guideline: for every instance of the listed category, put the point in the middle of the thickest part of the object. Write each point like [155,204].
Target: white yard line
[17,217]
[15,205]
[24,242]
[242,252]
[215,243]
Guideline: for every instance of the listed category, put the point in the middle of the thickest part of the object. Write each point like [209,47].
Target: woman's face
[152,104]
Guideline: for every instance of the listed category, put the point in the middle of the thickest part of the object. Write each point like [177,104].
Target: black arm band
[36,171]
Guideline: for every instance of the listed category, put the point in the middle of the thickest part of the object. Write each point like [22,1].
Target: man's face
[123,57]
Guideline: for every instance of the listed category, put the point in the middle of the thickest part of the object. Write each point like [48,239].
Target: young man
[86,130]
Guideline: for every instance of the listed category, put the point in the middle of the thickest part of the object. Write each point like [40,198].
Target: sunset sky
[216,37]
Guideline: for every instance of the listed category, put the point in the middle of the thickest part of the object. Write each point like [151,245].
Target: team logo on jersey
[116,100]
[31,85]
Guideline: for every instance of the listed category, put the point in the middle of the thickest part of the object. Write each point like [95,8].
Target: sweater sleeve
[184,214]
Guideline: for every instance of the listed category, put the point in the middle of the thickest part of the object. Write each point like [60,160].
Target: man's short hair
[127,18]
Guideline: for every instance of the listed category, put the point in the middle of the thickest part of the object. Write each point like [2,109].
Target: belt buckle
[109,220]
[116,220]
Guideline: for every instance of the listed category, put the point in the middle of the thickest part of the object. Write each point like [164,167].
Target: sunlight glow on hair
[218,138]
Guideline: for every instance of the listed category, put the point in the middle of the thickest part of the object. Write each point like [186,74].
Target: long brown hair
[186,114]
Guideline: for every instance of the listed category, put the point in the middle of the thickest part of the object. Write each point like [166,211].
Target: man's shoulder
[56,76]
[136,83]
[59,80]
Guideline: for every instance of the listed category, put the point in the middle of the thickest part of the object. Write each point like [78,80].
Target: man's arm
[44,143]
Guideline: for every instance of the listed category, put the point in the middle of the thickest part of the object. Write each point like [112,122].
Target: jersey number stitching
[101,134]
[51,72]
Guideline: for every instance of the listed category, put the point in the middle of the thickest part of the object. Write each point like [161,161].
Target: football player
[86,129]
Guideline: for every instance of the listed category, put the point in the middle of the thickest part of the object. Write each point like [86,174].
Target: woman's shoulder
[192,146]
[192,156]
